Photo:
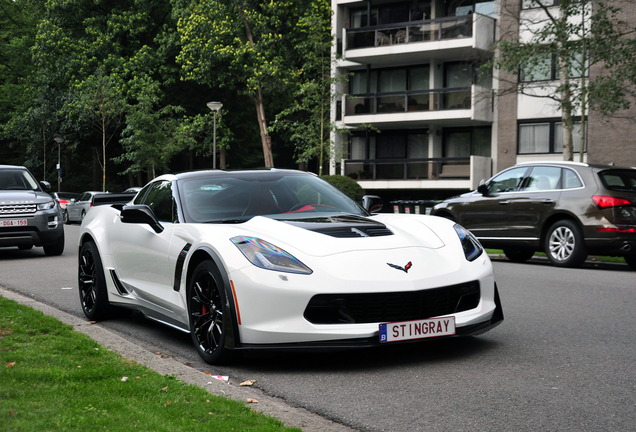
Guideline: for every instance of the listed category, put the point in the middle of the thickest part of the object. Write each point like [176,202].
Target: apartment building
[424,120]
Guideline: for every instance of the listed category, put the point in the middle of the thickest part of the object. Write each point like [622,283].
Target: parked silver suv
[29,216]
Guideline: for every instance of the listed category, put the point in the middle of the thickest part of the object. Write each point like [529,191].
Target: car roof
[573,164]
[13,167]
[255,174]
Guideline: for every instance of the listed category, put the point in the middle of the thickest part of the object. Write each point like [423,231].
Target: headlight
[267,256]
[46,206]
[470,244]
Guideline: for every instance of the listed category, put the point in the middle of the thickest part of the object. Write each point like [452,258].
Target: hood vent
[355,231]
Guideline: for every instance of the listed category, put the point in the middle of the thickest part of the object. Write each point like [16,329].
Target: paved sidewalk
[274,407]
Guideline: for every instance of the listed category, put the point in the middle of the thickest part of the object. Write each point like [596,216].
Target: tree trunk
[222,158]
[258,100]
[566,108]
[262,125]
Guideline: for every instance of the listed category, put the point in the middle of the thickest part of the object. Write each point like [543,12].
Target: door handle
[548,202]
[503,203]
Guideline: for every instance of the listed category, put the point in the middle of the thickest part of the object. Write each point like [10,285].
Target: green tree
[242,44]
[575,34]
[100,101]
[308,118]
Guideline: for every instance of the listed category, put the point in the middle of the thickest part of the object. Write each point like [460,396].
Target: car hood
[23,197]
[329,235]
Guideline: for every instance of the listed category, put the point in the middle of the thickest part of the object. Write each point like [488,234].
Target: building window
[390,145]
[394,13]
[546,68]
[532,4]
[546,136]
[464,142]
[468,7]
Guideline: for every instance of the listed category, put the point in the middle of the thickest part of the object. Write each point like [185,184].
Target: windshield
[17,179]
[237,197]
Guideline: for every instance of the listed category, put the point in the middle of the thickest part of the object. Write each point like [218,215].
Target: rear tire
[209,313]
[564,244]
[631,260]
[92,284]
[518,255]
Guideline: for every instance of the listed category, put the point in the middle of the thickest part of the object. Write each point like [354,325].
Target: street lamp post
[216,107]
[59,142]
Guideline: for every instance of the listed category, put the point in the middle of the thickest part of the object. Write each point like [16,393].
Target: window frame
[552,122]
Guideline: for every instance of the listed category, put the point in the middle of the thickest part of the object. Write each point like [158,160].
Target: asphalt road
[563,360]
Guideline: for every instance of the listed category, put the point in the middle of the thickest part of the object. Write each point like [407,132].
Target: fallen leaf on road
[248,400]
[247,383]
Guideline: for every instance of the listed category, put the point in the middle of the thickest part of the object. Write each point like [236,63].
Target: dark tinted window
[142,193]
[159,199]
[619,180]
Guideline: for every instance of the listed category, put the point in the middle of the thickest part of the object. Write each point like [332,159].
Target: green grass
[596,258]
[55,379]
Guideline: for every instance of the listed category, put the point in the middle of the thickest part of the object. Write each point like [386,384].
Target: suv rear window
[619,180]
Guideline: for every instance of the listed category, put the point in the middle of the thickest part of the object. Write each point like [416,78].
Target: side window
[142,193]
[159,199]
[543,179]
[571,180]
[507,181]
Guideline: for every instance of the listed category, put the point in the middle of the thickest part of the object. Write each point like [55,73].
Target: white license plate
[419,329]
[13,222]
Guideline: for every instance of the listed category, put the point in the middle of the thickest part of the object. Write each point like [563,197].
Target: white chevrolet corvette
[281,259]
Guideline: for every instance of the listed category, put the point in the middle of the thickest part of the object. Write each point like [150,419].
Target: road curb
[273,407]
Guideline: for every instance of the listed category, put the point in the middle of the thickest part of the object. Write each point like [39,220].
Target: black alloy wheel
[564,244]
[209,313]
[518,255]
[92,283]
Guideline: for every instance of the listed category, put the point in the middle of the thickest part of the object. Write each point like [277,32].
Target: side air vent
[118,284]
[355,231]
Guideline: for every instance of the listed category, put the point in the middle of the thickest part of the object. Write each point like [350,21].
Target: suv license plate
[13,222]
[419,329]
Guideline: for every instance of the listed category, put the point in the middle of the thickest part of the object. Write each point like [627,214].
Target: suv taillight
[608,201]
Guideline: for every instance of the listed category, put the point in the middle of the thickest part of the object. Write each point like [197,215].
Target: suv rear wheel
[564,244]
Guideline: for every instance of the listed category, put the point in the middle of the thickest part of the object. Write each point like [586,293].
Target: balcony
[440,38]
[424,106]
[432,173]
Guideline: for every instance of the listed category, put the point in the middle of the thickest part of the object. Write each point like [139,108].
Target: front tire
[65,218]
[209,313]
[92,283]
[631,261]
[56,248]
[564,244]
[518,255]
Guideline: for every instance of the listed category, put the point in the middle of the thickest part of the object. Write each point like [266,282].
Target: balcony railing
[398,102]
[419,31]
[408,169]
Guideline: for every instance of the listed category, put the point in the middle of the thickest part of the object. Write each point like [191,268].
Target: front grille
[355,231]
[11,209]
[392,306]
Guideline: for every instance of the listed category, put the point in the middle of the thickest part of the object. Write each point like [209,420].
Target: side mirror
[46,186]
[483,189]
[140,214]
[72,200]
[372,203]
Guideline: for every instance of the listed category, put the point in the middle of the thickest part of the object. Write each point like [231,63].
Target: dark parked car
[565,209]
[29,216]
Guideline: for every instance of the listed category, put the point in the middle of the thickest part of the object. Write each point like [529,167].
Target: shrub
[347,185]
